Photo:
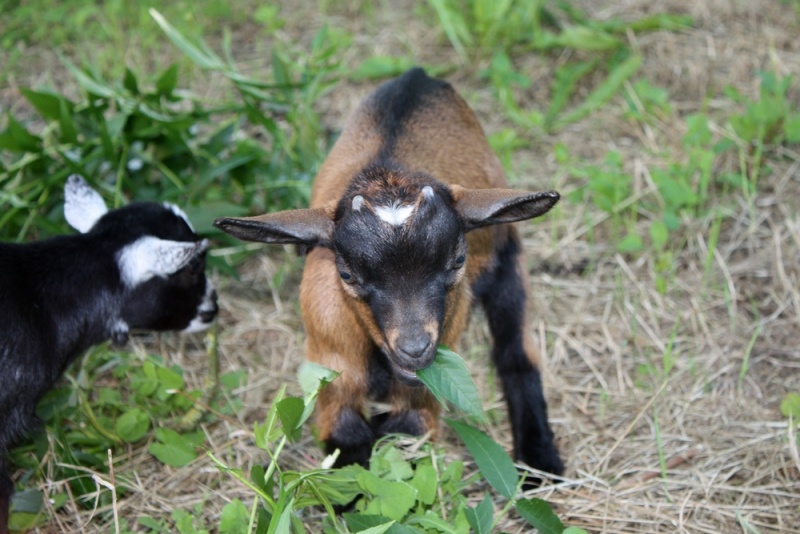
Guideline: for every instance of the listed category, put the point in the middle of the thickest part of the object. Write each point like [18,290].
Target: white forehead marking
[396,214]
[179,212]
[358,201]
[427,191]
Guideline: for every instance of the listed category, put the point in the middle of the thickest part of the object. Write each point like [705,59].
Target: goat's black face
[402,252]
[163,268]
[183,300]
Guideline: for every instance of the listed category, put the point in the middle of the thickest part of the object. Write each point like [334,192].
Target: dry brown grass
[729,462]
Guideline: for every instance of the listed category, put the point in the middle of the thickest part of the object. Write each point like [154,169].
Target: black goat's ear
[309,227]
[485,207]
[83,206]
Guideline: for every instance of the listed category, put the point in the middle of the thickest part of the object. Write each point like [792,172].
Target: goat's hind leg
[6,489]
[502,291]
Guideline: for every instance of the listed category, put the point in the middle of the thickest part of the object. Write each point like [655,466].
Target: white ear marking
[150,256]
[358,201]
[427,192]
[83,205]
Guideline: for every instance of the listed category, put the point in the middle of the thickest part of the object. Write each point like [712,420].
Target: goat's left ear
[151,256]
[83,206]
[484,207]
[295,227]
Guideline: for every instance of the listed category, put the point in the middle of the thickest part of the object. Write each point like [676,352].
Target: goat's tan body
[444,140]
[409,222]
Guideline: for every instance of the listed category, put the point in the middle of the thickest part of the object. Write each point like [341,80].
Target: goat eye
[347,277]
[460,261]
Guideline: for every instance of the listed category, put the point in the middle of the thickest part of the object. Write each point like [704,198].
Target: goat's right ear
[83,206]
[296,227]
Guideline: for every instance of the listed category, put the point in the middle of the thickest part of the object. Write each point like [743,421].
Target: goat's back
[419,123]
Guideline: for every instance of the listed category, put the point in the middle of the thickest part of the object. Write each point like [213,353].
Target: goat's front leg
[502,292]
[415,411]
[342,424]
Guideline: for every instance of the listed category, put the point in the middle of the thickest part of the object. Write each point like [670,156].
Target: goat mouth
[408,377]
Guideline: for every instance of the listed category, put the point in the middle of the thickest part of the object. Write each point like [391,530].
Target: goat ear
[83,206]
[484,207]
[150,256]
[295,227]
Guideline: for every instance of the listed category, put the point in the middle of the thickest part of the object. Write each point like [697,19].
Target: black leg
[353,437]
[405,422]
[502,293]
[6,489]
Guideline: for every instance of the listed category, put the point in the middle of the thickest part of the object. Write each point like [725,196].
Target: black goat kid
[137,267]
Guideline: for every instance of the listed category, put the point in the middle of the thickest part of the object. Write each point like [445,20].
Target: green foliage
[148,139]
[112,402]
[117,28]
[501,29]
[771,120]
[401,491]
[790,406]
[449,380]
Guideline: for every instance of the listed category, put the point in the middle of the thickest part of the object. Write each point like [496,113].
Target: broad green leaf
[129,82]
[173,449]
[69,131]
[790,406]
[631,243]
[425,480]
[47,104]
[539,514]
[88,83]
[432,522]
[360,523]
[313,377]
[17,138]
[574,530]
[290,412]
[791,128]
[132,425]
[282,517]
[449,379]
[481,517]
[390,499]
[28,501]
[493,461]
[234,518]
[659,233]
[168,81]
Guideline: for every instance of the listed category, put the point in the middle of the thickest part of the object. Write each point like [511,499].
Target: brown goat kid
[408,225]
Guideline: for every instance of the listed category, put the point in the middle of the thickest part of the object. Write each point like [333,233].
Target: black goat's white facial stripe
[150,256]
[83,206]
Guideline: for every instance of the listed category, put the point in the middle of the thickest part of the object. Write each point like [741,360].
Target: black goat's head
[400,250]
[161,261]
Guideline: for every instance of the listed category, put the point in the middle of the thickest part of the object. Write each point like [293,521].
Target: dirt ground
[731,461]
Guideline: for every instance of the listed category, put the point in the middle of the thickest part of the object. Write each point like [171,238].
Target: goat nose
[413,347]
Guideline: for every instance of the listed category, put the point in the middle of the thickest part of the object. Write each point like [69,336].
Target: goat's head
[161,261]
[399,243]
